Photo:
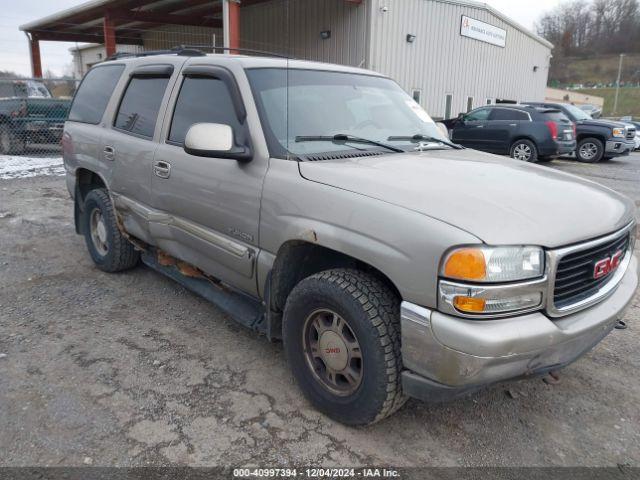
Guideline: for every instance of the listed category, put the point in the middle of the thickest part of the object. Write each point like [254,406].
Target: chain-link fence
[32,115]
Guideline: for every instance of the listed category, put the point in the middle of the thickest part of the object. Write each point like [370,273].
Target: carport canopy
[112,22]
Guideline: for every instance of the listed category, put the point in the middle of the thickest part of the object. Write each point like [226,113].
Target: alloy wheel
[332,352]
[588,150]
[98,232]
[522,151]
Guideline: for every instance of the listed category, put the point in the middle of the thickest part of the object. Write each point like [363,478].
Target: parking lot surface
[132,369]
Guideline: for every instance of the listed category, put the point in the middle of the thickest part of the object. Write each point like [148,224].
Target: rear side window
[508,114]
[202,100]
[93,95]
[140,104]
[557,117]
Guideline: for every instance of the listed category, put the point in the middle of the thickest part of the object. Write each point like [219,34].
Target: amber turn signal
[469,304]
[466,264]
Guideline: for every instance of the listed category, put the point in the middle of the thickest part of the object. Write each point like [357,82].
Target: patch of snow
[15,166]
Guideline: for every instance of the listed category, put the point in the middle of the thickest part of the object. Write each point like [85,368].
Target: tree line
[587,27]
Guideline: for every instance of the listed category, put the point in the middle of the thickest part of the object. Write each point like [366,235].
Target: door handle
[513,124]
[480,126]
[109,153]
[162,169]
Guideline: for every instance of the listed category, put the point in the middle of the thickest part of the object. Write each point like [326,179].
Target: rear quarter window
[557,117]
[94,93]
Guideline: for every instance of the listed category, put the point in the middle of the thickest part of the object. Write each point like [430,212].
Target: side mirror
[214,140]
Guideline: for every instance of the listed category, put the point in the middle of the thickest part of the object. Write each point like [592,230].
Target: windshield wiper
[418,137]
[342,138]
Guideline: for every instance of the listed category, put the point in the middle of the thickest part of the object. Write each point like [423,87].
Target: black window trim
[223,74]
[110,96]
[143,72]
[496,107]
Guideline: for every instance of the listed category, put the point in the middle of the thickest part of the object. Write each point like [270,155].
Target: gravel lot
[131,369]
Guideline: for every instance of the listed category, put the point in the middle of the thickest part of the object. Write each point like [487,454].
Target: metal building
[451,55]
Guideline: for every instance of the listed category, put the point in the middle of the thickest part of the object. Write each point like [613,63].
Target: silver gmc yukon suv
[320,205]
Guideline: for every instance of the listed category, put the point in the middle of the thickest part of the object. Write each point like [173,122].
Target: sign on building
[472,28]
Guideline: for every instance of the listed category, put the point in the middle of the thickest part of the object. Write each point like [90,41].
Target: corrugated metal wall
[169,36]
[293,27]
[441,61]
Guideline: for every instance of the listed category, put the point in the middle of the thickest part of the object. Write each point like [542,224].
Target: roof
[83,23]
[247,61]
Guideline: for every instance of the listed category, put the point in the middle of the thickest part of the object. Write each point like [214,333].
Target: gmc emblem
[607,265]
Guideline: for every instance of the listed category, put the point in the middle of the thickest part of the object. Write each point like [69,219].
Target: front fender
[404,245]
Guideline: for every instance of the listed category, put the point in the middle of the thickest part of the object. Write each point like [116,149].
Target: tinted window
[139,107]
[558,117]
[202,100]
[478,115]
[93,95]
[508,114]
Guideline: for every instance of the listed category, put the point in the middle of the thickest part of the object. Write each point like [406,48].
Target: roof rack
[180,50]
[235,49]
[192,51]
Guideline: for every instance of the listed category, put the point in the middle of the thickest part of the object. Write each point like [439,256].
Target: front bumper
[447,356]
[619,147]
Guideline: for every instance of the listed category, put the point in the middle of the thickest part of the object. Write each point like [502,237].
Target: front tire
[524,150]
[341,333]
[10,143]
[109,249]
[590,150]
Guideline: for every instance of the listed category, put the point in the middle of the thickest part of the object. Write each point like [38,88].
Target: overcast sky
[14,53]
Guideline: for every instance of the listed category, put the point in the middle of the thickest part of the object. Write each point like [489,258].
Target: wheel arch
[597,136]
[299,259]
[522,137]
[86,180]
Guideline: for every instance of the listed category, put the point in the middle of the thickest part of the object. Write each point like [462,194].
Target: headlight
[493,264]
[490,300]
[619,132]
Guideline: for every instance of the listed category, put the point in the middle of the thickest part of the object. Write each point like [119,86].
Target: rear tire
[109,249]
[524,150]
[590,150]
[341,333]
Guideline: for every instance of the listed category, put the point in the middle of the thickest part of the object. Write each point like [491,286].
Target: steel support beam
[231,24]
[109,28]
[34,51]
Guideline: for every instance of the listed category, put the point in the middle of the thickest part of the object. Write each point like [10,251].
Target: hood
[596,122]
[497,199]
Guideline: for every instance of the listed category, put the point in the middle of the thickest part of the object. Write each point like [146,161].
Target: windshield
[577,113]
[29,89]
[297,104]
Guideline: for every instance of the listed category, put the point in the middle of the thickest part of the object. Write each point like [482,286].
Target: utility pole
[615,102]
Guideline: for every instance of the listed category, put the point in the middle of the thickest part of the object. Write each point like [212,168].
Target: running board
[242,308]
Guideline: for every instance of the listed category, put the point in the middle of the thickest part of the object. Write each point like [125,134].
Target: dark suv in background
[597,139]
[524,132]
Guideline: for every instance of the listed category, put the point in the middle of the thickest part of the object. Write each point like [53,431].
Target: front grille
[631,133]
[574,275]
